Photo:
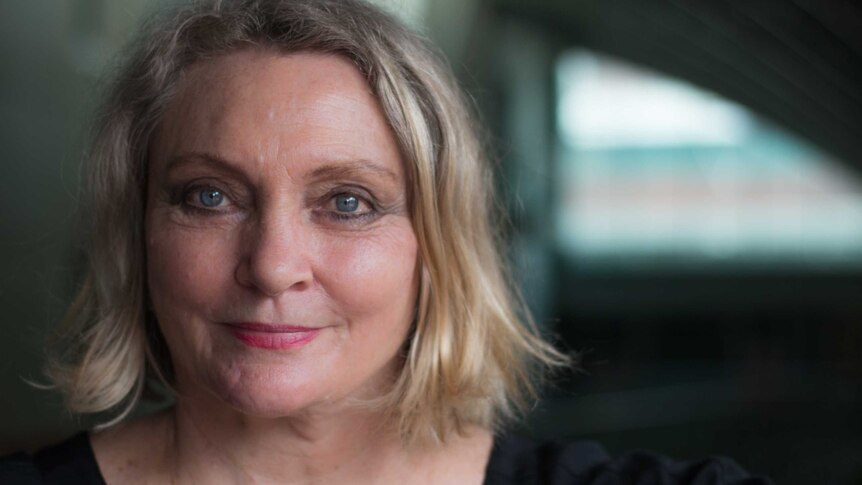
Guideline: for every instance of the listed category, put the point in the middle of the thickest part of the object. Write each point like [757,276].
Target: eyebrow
[329,171]
[352,168]
[178,161]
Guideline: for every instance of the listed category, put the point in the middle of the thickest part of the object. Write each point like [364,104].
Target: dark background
[758,362]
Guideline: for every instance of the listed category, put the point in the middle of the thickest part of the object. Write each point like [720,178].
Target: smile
[269,336]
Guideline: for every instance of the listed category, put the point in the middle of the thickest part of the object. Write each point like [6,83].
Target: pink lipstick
[269,336]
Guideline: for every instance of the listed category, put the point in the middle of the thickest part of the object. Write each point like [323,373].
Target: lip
[272,336]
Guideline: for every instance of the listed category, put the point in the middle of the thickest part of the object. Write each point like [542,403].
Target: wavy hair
[473,357]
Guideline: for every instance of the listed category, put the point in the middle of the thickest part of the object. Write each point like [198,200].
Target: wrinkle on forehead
[230,109]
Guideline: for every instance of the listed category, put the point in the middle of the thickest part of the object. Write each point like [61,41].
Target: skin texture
[276,251]
[303,222]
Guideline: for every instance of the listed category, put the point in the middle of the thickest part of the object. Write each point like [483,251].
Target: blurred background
[685,187]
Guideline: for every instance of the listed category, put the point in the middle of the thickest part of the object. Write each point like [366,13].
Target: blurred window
[657,172]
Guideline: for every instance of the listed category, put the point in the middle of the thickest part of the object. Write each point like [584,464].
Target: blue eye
[346,203]
[211,197]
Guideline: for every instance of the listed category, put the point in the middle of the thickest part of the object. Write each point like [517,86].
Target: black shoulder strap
[19,469]
[71,462]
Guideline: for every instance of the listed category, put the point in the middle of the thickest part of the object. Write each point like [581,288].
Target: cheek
[376,274]
[186,268]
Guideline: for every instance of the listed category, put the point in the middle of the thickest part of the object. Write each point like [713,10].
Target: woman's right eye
[210,199]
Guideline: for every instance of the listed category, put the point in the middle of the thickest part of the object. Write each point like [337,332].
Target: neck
[336,445]
[196,442]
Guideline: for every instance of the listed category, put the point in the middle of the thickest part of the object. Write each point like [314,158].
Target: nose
[276,257]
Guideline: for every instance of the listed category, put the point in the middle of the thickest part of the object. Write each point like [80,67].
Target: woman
[290,231]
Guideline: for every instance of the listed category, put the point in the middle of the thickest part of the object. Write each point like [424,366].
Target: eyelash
[191,192]
[369,214]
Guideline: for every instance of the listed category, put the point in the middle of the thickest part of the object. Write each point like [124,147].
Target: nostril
[273,272]
[277,249]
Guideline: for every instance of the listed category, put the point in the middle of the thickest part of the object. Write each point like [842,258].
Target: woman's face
[281,258]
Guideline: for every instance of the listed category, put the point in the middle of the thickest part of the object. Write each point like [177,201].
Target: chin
[266,407]
[264,391]
[272,384]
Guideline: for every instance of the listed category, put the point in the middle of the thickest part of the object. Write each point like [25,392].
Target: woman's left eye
[346,203]
[348,206]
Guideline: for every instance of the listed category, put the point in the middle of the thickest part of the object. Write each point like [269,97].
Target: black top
[513,461]
[71,462]
[520,461]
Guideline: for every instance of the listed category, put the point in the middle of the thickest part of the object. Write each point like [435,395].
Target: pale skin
[277,195]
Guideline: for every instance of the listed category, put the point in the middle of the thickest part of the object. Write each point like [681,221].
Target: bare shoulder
[475,447]
[133,452]
[464,459]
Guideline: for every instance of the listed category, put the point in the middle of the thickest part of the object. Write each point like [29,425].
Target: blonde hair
[473,358]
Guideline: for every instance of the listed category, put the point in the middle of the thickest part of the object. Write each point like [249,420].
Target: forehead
[265,107]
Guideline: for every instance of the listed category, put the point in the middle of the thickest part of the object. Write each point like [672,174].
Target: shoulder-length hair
[473,356]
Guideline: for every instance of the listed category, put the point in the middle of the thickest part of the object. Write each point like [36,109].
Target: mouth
[272,336]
